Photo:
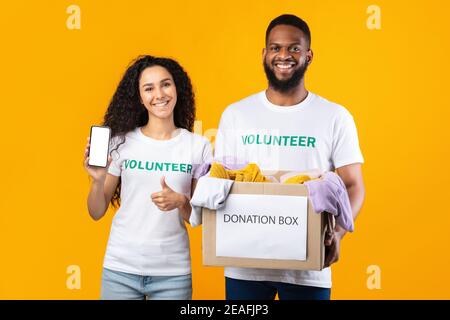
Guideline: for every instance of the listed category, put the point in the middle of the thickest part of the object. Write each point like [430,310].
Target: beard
[288,84]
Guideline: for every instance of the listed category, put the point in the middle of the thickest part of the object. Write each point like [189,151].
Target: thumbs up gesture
[167,199]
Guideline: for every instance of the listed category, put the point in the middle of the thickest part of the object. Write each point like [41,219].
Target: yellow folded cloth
[297,179]
[218,171]
[250,173]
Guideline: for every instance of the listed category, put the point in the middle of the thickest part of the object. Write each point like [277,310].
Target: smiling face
[286,57]
[158,92]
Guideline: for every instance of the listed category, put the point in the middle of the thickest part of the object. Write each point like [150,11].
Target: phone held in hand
[99,146]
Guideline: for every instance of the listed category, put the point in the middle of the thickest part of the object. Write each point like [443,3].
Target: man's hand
[332,247]
[333,237]
[352,176]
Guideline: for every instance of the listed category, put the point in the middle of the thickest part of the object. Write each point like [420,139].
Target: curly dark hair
[126,111]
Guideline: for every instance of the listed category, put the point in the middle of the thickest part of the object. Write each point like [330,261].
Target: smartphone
[99,146]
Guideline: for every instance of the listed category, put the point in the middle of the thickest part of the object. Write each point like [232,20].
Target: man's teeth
[284,65]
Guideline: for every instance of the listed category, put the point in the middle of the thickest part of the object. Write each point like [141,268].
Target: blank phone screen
[98,151]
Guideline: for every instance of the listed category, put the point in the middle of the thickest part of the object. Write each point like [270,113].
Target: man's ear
[309,56]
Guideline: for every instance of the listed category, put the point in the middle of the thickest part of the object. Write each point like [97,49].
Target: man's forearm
[356,195]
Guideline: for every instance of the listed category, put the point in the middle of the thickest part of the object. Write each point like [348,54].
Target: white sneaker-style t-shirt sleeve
[346,148]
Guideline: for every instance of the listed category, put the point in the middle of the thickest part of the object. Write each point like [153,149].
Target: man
[296,130]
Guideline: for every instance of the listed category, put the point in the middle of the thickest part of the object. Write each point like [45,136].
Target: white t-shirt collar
[141,136]
[292,108]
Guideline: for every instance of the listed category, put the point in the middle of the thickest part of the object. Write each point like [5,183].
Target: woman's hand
[98,174]
[167,199]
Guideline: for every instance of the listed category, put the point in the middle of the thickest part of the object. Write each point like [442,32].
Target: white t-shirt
[144,240]
[314,134]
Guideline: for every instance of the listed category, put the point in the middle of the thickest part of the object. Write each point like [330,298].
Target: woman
[151,172]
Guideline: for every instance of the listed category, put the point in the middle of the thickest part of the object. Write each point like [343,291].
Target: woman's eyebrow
[150,84]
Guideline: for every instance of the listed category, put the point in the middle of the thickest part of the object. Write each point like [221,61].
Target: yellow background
[56,82]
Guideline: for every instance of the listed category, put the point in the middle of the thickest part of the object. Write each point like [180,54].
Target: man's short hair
[290,20]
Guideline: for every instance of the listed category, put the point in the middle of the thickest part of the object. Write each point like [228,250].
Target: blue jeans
[126,286]
[266,290]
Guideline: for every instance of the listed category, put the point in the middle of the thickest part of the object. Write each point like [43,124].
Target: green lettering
[285,140]
[257,139]
[151,168]
[140,165]
[294,141]
[159,166]
[127,163]
[174,166]
[277,140]
[270,140]
[167,166]
[312,141]
[189,168]
[302,142]
[252,138]
[133,164]
[244,139]
[182,167]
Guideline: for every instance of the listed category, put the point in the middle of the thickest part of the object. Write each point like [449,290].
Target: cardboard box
[316,228]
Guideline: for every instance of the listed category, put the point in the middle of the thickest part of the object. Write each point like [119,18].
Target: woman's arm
[102,187]
[187,208]
[100,196]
